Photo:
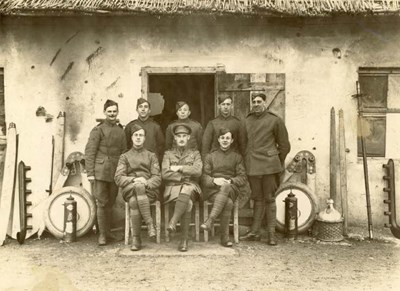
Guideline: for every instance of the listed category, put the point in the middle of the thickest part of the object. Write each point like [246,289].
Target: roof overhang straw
[285,7]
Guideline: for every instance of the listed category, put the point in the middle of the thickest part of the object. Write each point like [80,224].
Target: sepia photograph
[199,145]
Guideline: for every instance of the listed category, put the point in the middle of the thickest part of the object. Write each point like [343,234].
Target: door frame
[186,70]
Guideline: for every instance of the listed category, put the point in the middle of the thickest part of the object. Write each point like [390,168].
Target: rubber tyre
[54,211]
[306,204]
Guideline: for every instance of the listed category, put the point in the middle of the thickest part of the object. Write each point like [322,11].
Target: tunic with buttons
[106,143]
[190,174]
[195,137]
[137,163]
[210,136]
[267,144]
[154,141]
[224,164]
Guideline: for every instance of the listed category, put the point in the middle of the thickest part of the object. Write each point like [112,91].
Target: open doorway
[195,89]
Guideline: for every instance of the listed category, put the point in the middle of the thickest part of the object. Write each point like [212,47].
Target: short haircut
[223,131]
[109,103]
[255,95]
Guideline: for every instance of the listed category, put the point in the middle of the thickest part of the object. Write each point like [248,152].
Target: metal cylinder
[291,226]
[69,234]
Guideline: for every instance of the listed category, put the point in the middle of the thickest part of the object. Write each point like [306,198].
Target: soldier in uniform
[267,147]
[224,178]
[138,175]
[154,141]
[227,120]
[181,170]
[183,113]
[106,143]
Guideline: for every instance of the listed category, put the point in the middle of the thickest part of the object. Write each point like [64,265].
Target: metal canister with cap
[69,234]
[291,227]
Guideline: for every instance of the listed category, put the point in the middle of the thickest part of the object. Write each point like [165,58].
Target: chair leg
[205,214]
[197,220]
[236,221]
[158,221]
[127,223]
[166,220]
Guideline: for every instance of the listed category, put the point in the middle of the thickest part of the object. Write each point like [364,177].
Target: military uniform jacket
[210,136]
[190,174]
[106,143]
[224,164]
[137,163]
[195,137]
[267,144]
[154,137]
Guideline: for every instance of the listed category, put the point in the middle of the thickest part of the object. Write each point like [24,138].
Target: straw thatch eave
[247,7]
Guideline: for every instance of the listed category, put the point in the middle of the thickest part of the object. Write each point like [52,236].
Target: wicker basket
[329,230]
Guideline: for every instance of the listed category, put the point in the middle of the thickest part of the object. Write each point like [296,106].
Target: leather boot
[258,214]
[185,224]
[271,223]
[181,205]
[136,243]
[102,222]
[206,225]
[224,223]
[136,221]
[109,234]
[151,230]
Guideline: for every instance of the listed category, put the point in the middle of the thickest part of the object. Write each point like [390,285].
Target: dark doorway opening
[195,89]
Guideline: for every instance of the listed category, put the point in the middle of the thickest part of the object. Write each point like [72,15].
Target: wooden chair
[234,224]
[196,223]
[156,213]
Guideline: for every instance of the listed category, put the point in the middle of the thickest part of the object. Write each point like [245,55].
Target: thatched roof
[263,7]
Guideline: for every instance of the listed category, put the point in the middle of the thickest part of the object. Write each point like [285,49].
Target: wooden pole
[343,171]
[58,158]
[333,159]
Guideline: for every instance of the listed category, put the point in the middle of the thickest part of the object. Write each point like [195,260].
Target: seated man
[181,169]
[224,177]
[138,174]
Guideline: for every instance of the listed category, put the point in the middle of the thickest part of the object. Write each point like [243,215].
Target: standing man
[106,143]
[138,174]
[225,119]
[267,147]
[183,113]
[154,141]
[181,170]
[224,178]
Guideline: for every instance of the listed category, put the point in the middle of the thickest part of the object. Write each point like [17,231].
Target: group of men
[216,165]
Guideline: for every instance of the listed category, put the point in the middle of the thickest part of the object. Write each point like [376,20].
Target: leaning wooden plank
[8,181]
[343,170]
[59,137]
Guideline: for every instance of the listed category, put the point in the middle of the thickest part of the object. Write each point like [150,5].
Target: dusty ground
[305,264]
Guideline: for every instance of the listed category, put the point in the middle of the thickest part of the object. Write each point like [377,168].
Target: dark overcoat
[106,143]
[267,144]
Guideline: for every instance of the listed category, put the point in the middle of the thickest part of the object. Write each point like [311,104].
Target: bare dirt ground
[305,264]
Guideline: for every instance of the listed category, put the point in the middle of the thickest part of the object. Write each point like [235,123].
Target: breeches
[264,187]
[105,193]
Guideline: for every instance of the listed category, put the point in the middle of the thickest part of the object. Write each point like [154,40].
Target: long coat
[154,141]
[137,163]
[267,144]
[224,164]
[106,143]
[190,174]
[210,136]
[195,137]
